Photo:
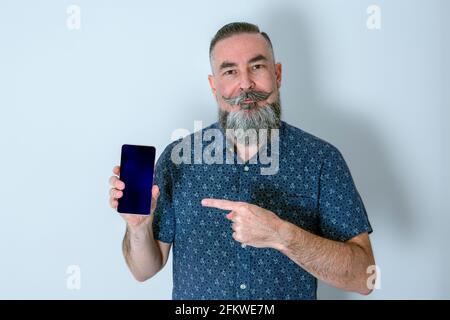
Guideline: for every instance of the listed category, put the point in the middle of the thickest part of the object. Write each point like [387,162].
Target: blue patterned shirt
[312,189]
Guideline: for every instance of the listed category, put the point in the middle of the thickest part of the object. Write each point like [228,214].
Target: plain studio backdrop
[135,71]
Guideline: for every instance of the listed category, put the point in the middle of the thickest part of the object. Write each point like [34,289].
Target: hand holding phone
[135,185]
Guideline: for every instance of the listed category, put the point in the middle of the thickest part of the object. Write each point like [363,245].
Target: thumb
[155,191]
[155,196]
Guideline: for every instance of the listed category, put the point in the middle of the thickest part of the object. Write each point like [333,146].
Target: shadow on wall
[352,133]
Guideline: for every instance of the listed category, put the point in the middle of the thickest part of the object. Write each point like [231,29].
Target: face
[245,81]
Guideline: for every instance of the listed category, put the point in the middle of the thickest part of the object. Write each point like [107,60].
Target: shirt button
[243,286]
[246,168]
[243,245]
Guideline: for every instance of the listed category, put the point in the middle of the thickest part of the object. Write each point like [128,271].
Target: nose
[246,82]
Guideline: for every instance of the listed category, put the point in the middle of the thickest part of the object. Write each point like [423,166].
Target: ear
[212,84]
[278,71]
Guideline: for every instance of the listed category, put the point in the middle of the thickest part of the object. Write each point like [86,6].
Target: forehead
[241,47]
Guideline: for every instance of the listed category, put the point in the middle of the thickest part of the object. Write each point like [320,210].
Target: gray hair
[234,28]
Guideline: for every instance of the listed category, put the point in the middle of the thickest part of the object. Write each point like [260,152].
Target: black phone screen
[136,171]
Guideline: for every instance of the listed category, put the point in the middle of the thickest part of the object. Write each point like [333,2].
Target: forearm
[142,253]
[342,265]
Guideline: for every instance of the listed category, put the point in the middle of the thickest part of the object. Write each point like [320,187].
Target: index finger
[221,204]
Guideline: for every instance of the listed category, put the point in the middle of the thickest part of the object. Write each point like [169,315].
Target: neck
[246,152]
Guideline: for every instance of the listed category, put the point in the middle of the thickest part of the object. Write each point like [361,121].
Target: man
[239,234]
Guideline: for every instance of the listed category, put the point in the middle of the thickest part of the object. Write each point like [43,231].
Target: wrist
[141,230]
[284,234]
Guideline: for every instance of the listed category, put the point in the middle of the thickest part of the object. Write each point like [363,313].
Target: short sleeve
[341,210]
[164,216]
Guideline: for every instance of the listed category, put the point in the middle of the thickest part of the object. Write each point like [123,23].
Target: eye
[257,66]
[229,72]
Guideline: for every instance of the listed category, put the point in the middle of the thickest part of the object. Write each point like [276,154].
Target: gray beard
[265,117]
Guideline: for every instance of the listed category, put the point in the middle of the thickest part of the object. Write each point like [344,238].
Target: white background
[137,70]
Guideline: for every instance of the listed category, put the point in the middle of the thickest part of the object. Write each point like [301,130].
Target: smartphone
[137,165]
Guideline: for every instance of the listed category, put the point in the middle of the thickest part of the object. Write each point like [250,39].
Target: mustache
[253,95]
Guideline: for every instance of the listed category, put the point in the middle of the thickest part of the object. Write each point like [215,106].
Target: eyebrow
[228,64]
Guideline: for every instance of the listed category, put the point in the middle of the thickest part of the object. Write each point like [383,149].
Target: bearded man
[240,234]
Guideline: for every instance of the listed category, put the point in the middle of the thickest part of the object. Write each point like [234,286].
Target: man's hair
[234,28]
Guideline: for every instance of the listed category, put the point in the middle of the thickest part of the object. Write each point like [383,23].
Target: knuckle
[112,180]
[244,206]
